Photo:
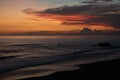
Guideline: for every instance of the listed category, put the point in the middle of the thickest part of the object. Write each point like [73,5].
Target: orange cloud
[100,15]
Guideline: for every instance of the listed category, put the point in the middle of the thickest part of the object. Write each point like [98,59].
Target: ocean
[32,56]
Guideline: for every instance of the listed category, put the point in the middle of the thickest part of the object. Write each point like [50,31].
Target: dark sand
[104,70]
[6,57]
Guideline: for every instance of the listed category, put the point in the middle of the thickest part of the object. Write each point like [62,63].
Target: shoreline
[99,70]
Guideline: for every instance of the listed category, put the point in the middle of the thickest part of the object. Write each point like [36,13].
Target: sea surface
[32,56]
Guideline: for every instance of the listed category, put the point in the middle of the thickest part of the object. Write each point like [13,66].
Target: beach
[92,71]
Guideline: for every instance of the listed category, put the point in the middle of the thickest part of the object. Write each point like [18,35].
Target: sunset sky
[58,15]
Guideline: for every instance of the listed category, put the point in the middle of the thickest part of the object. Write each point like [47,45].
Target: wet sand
[102,70]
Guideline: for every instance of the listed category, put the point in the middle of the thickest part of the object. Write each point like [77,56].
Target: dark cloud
[82,9]
[107,20]
[104,0]
[89,14]
[97,1]
[89,2]
[87,31]
[77,9]
[112,20]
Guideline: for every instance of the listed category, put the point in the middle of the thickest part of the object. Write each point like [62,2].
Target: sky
[58,15]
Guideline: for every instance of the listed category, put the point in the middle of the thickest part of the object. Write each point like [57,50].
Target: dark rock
[103,44]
